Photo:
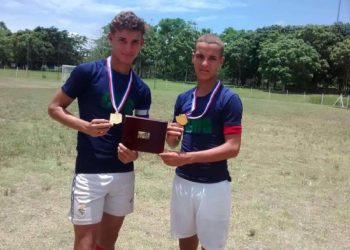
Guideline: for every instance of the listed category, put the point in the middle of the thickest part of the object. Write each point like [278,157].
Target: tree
[261,36]
[177,39]
[341,29]
[47,46]
[238,55]
[290,61]
[68,48]
[21,48]
[101,47]
[322,38]
[340,55]
[147,60]
[5,45]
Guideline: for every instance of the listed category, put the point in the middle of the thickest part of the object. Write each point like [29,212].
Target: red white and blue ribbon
[194,102]
[111,89]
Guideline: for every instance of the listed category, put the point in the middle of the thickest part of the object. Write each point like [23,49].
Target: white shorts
[94,194]
[203,209]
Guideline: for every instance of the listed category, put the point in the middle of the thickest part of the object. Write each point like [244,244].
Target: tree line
[40,48]
[310,58]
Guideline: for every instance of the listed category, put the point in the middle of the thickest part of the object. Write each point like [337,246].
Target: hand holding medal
[174,133]
[98,127]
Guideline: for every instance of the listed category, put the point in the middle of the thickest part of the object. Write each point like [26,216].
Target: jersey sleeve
[144,103]
[232,112]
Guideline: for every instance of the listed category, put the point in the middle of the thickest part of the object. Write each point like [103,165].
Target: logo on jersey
[106,103]
[199,126]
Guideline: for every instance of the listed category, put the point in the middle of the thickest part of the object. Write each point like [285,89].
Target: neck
[119,66]
[204,87]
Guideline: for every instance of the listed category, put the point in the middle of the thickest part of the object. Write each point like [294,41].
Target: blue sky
[87,17]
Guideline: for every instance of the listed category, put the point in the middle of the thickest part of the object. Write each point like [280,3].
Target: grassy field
[156,84]
[291,181]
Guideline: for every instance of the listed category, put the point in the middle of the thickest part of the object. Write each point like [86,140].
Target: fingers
[100,124]
[126,155]
[171,158]
[100,131]
[166,154]
[97,121]
[121,147]
[175,126]
[99,127]
[174,129]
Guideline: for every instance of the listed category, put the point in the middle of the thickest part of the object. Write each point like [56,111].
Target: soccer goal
[66,70]
[340,102]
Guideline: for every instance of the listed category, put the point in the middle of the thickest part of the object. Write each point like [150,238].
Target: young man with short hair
[106,90]
[209,119]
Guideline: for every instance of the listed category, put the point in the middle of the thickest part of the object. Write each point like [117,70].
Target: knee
[85,243]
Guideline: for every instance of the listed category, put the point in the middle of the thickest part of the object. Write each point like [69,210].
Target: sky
[87,17]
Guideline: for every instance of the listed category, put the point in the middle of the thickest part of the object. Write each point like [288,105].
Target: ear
[142,42]
[110,37]
[222,60]
[193,53]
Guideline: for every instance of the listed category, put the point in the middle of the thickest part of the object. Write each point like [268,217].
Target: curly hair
[129,21]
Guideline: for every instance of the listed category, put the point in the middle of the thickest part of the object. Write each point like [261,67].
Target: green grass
[290,182]
[157,84]
[31,74]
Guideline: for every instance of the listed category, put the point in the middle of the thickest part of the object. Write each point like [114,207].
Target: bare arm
[225,151]
[57,109]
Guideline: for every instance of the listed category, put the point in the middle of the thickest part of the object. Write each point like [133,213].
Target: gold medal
[181,119]
[115,118]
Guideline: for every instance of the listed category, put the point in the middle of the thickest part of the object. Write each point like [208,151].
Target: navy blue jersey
[223,116]
[89,84]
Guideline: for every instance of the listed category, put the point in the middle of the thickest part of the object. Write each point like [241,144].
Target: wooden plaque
[143,134]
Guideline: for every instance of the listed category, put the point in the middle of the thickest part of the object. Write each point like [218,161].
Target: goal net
[66,70]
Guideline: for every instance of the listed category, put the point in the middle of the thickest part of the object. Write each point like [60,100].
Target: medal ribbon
[111,89]
[194,102]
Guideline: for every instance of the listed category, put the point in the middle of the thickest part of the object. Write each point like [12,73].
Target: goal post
[66,70]
[340,102]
